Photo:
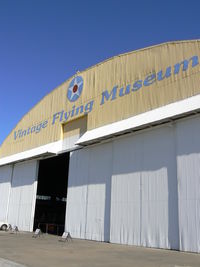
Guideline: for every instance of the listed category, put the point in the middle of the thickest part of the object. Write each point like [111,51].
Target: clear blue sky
[44,42]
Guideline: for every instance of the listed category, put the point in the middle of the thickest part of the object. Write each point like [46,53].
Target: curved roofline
[138,50]
[100,63]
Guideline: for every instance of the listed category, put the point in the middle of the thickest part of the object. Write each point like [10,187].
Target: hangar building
[113,153]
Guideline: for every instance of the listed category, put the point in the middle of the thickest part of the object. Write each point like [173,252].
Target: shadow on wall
[19,174]
[5,174]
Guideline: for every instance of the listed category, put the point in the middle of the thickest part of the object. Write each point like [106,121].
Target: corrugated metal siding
[119,71]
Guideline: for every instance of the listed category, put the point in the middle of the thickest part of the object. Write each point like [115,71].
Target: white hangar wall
[18,186]
[188,173]
[88,197]
[142,189]
[5,185]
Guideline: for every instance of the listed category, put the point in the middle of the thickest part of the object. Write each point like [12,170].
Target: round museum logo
[75,89]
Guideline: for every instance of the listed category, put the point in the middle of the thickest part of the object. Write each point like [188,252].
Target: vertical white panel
[125,191]
[77,193]
[188,163]
[23,194]
[98,199]
[5,185]
[144,201]
[159,190]
[88,199]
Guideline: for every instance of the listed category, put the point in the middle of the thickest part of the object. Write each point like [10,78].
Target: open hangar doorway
[51,196]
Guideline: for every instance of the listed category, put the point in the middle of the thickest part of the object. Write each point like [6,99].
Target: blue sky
[44,42]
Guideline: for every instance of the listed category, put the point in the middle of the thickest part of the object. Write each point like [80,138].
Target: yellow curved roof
[113,90]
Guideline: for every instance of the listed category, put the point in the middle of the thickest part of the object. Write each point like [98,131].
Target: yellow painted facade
[141,74]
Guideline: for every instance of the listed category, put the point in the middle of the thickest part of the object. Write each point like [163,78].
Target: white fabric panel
[98,208]
[5,184]
[88,199]
[125,192]
[188,165]
[77,193]
[23,195]
[159,190]
[144,190]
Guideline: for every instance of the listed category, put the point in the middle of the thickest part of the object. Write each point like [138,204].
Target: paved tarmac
[22,250]
[7,263]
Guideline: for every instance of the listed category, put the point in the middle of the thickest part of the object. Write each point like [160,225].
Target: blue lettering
[127,91]
[33,129]
[160,75]
[38,128]
[106,95]
[56,116]
[89,106]
[67,114]
[20,132]
[28,131]
[61,115]
[137,85]
[44,125]
[72,112]
[150,79]
[185,64]
[79,109]
[24,133]
[16,134]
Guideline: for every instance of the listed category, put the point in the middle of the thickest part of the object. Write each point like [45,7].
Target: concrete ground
[46,251]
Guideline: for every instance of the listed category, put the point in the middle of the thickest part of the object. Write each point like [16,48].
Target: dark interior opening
[52,194]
